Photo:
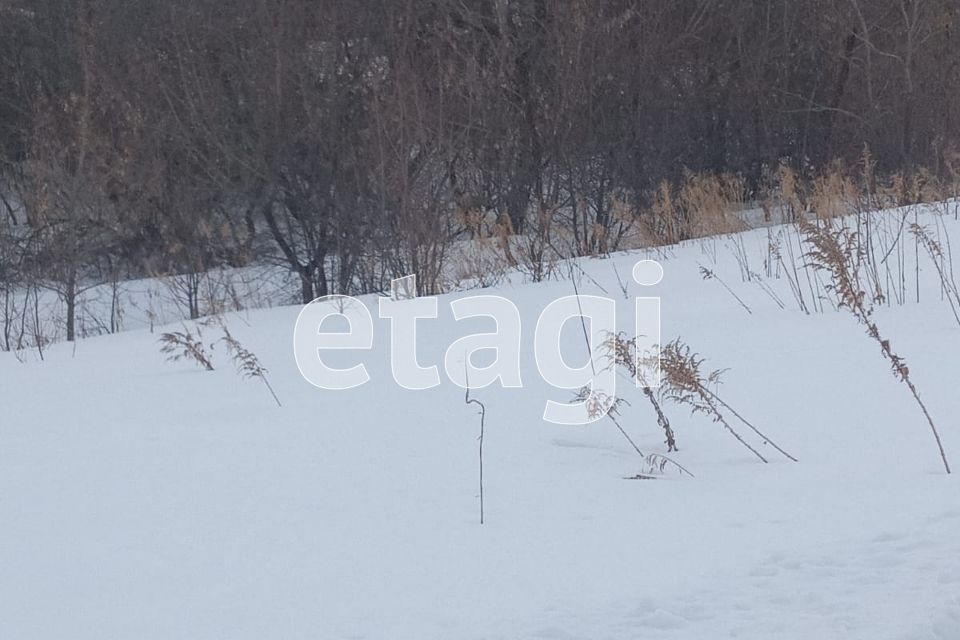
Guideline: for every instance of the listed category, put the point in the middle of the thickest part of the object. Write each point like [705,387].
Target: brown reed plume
[182,345]
[622,352]
[685,384]
[246,362]
[837,252]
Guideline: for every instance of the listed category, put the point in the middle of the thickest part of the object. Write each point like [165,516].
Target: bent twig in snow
[483,415]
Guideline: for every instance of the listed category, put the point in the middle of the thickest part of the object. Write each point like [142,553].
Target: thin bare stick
[623,352]
[749,425]
[687,386]
[706,274]
[483,415]
[586,338]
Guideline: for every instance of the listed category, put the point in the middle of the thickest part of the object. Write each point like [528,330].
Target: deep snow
[145,499]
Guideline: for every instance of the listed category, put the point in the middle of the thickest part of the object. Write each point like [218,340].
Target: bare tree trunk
[306,286]
[70,298]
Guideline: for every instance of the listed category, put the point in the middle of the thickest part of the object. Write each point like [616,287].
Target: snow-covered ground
[146,499]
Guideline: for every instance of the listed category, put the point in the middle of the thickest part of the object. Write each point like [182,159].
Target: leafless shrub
[9,281]
[622,231]
[37,332]
[219,295]
[535,250]
[185,290]
[479,262]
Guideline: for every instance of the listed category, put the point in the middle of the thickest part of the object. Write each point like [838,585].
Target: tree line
[354,140]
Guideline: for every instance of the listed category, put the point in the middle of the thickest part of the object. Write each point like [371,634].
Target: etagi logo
[595,314]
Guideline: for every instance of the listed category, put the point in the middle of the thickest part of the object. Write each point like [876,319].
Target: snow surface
[145,499]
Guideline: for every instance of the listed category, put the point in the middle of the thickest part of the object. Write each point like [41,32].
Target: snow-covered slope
[145,499]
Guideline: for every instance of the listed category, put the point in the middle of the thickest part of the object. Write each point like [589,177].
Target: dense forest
[354,140]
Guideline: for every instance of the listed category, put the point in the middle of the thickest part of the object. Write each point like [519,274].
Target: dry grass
[712,203]
[686,385]
[622,352]
[934,250]
[183,345]
[701,205]
[247,364]
[838,252]
[833,194]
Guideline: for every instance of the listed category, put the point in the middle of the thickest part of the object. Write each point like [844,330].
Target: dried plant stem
[654,460]
[749,425]
[247,363]
[179,345]
[933,249]
[671,440]
[623,352]
[708,400]
[272,392]
[593,368]
[707,274]
[903,373]
[687,386]
[660,461]
[625,435]
[933,428]
[834,252]
[483,416]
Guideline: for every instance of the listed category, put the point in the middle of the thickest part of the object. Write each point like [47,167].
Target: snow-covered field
[144,499]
